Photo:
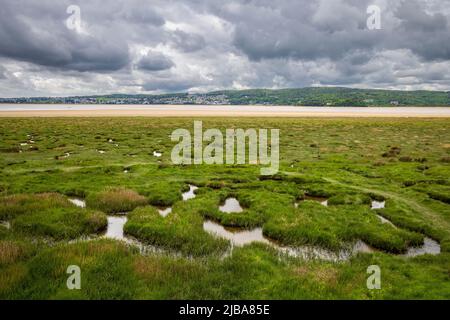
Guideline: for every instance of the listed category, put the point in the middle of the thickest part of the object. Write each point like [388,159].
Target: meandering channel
[240,237]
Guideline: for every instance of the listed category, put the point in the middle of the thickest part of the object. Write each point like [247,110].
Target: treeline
[338,97]
[330,96]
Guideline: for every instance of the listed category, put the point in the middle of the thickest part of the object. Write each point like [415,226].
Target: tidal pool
[241,237]
[231,205]
[189,194]
[238,237]
[429,247]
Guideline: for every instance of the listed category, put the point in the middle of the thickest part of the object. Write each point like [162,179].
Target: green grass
[328,158]
[49,215]
[180,231]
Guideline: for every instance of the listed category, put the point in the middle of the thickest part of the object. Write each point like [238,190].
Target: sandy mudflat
[22,110]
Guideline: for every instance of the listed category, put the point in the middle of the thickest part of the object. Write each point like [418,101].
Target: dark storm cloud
[154,61]
[41,37]
[159,46]
[2,72]
[332,29]
[428,35]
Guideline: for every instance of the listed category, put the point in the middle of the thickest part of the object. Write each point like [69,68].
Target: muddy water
[78,202]
[164,212]
[189,194]
[231,205]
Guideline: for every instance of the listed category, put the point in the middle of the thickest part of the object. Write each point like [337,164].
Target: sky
[86,47]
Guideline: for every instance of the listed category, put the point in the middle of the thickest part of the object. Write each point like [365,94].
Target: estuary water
[235,110]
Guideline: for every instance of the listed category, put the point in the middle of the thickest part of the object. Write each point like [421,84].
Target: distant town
[328,96]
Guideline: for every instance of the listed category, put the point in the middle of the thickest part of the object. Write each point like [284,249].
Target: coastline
[22,110]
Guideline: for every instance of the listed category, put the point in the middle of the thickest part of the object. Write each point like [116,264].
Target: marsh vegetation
[141,227]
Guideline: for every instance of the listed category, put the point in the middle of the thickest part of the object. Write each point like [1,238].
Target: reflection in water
[308,252]
[115,227]
[78,202]
[239,238]
[231,205]
[429,247]
[189,194]
[115,231]
[378,204]
[165,211]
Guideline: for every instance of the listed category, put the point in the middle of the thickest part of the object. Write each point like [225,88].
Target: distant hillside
[335,96]
[339,97]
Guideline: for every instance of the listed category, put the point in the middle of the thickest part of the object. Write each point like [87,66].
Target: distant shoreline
[95,110]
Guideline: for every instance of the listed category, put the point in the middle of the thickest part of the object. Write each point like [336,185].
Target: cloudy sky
[152,46]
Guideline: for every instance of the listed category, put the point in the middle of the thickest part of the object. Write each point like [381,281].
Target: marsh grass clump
[349,199]
[181,231]
[258,205]
[116,200]
[11,251]
[334,227]
[49,215]
[164,193]
[403,217]
[60,223]
[15,205]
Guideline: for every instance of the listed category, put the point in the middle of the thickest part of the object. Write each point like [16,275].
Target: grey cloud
[211,44]
[187,42]
[45,40]
[427,35]
[154,61]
